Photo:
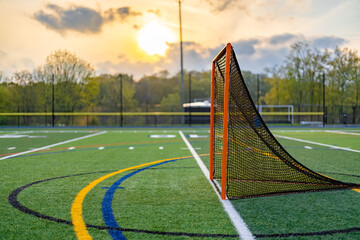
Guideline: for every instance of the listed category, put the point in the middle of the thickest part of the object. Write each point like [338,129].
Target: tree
[5,100]
[306,66]
[170,103]
[200,85]
[110,92]
[67,67]
[302,74]
[151,89]
[25,93]
[251,81]
[344,78]
[71,75]
[280,87]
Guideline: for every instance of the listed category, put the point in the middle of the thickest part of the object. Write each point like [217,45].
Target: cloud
[253,55]
[221,5]
[10,64]
[327,42]
[2,54]
[121,13]
[80,19]
[246,47]
[282,38]
[155,11]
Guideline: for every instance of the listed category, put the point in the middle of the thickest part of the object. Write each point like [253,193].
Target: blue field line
[106,205]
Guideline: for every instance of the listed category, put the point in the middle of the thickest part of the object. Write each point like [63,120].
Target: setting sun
[153,38]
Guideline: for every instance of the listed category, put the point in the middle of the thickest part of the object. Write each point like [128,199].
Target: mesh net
[257,165]
[219,115]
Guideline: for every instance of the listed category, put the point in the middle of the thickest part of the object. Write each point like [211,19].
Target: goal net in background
[282,114]
[243,153]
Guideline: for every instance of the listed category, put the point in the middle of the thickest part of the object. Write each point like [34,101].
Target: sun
[153,38]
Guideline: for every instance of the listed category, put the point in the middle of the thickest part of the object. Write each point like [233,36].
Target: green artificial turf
[174,197]
[168,198]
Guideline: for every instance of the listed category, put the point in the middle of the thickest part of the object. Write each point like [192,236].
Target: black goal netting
[257,164]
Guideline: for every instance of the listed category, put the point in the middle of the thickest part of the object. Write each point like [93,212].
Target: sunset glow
[153,38]
[141,37]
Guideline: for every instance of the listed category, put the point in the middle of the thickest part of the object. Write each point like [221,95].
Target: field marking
[99,145]
[321,144]
[106,205]
[197,136]
[342,132]
[161,136]
[53,145]
[158,131]
[316,143]
[356,190]
[54,131]
[239,224]
[76,208]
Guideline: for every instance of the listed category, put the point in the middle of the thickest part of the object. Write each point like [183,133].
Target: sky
[141,37]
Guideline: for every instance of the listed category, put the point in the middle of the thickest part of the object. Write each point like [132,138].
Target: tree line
[308,76]
[68,83]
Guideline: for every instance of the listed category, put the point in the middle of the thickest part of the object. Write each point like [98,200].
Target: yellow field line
[105,114]
[356,190]
[275,157]
[148,113]
[76,209]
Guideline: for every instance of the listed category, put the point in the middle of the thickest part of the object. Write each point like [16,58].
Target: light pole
[324,104]
[181,63]
[53,101]
[121,99]
[190,99]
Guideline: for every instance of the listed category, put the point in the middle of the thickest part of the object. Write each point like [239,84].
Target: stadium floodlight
[244,154]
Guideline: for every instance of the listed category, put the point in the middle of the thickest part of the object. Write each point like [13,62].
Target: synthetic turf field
[75,189]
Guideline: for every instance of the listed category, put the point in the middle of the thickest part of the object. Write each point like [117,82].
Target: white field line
[52,145]
[237,221]
[321,144]
[316,143]
[158,131]
[341,132]
[56,131]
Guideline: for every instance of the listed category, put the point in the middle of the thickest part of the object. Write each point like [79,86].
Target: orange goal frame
[227,51]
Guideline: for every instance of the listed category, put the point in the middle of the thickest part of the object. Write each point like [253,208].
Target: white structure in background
[278,109]
[201,105]
[198,104]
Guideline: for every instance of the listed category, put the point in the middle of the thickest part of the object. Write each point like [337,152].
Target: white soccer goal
[287,111]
